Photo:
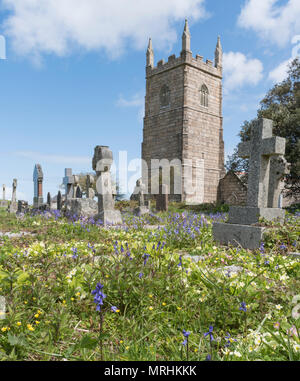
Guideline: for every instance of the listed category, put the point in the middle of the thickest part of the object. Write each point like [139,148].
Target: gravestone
[13,207]
[68,182]
[162,199]
[262,190]
[90,193]
[38,177]
[3,202]
[22,206]
[102,161]
[140,191]
[49,200]
[59,201]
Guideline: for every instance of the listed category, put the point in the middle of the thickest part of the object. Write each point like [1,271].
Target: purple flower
[114,309]
[140,275]
[186,334]
[210,333]
[243,307]
[99,296]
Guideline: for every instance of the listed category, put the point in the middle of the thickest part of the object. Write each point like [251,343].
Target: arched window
[164,96]
[204,96]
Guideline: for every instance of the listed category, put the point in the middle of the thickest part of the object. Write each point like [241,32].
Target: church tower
[183,122]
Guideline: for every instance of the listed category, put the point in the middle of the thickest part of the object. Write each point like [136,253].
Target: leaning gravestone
[240,229]
[102,161]
[13,207]
[49,200]
[140,191]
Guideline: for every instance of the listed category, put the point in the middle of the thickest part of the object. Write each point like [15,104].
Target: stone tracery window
[204,96]
[164,96]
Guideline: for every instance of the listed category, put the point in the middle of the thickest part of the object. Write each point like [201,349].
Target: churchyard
[146,282]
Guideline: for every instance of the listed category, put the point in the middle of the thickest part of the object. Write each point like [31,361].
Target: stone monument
[68,182]
[59,201]
[3,202]
[90,193]
[13,207]
[140,191]
[102,161]
[262,195]
[38,177]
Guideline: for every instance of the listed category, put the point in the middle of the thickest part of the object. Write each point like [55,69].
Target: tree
[282,105]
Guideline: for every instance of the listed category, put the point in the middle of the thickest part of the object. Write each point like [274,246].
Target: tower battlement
[183,119]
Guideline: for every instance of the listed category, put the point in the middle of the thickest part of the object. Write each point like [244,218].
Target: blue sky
[74,73]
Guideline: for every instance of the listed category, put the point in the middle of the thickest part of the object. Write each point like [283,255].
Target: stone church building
[183,123]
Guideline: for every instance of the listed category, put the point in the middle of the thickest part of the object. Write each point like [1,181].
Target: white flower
[278,307]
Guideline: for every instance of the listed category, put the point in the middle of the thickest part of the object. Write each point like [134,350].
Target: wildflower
[164,304]
[19,323]
[230,340]
[99,296]
[262,248]
[208,358]
[210,333]
[37,322]
[186,334]
[180,261]
[243,307]
[36,315]
[277,325]
[115,309]
[150,308]
[30,327]
[140,275]
[278,307]
[4,329]
[282,247]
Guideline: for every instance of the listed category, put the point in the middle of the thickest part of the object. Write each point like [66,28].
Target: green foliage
[155,287]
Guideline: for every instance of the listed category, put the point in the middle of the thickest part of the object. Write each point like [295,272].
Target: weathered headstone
[3,189]
[90,193]
[162,199]
[68,182]
[240,229]
[59,201]
[13,207]
[38,177]
[22,206]
[141,209]
[102,161]
[3,202]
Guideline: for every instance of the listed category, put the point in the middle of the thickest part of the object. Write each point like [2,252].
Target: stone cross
[38,177]
[14,191]
[3,188]
[13,207]
[90,193]
[68,182]
[259,150]
[102,161]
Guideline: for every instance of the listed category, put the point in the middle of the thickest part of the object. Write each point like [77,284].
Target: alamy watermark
[2,307]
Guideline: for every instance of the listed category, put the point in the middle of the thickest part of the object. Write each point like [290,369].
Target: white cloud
[39,27]
[137,100]
[57,159]
[280,72]
[240,70]
[273,21]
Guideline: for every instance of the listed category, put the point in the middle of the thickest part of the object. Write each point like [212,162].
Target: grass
[154,286]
